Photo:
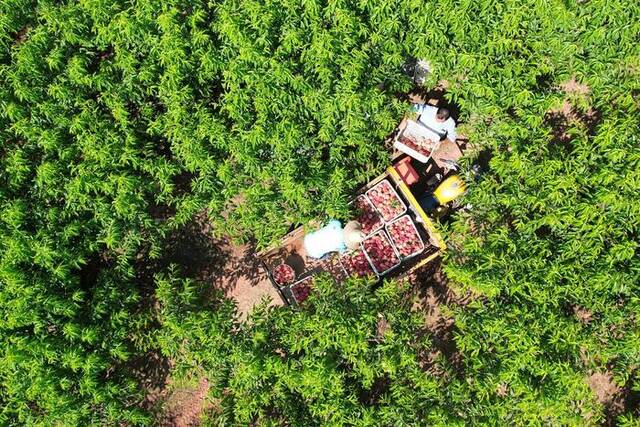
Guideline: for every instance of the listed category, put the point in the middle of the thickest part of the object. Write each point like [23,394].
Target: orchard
[125,126]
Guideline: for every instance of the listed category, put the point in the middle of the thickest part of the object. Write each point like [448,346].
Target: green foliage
[120,121]
[79,183]
[349,357]
[196,325]
[551,239]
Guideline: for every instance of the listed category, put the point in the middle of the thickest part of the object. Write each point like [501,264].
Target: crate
[384,235]
[366,200]
[373,270]
[394,192]
[307,281]
[417,233]
[417,141]
[335,268]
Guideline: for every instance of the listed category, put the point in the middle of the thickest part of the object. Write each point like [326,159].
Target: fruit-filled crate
[334,267]
[356,263]
[417,141]
[368,217]
[386,200]
[283,274]
[405,237]
[301,289]
[381,253]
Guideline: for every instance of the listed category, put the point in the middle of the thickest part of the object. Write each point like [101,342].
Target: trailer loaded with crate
[399,239]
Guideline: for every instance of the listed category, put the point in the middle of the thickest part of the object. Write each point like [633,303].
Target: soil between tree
[184,407]
[243,279]
[235,270]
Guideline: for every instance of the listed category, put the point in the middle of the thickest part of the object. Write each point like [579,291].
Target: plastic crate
[384,236]
[373,270]
[340,267]
[307,281]
[395,244]
[417,141]
[395,193]
[374,211]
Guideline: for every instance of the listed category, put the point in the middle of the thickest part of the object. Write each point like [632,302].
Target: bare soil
[243,278]
[183,408]
[432,289]
[152,372]
[502,390]
[603,387]
[21,35]
[572,86]
[231,268]
[566,116]
[382,327]
[582,314]
[608,394]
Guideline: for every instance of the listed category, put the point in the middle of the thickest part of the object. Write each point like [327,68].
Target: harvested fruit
[302,289]
[415,146]
[381,252]
[405,236]
[356,264]
[369,218]
[283,274]
[386,200]
[334,268]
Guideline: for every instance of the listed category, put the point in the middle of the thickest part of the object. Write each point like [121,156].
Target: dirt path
[243,279]
[184,406]
[228,267]
[431,289]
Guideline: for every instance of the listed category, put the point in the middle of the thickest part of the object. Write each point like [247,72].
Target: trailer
[290,249]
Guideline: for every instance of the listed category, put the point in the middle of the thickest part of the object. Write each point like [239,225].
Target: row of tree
[120,121]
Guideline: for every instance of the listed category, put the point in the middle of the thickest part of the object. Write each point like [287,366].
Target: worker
[353,235]
[333,238]
[437,120]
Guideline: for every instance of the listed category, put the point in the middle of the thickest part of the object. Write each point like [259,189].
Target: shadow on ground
[431,287]
[206,258]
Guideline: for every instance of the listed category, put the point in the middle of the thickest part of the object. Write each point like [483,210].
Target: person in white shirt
[333,238]
[437,120]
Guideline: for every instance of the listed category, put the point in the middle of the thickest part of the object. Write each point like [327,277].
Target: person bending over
[333,238]
[438,120]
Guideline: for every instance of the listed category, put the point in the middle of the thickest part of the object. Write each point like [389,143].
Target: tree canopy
[120,121]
